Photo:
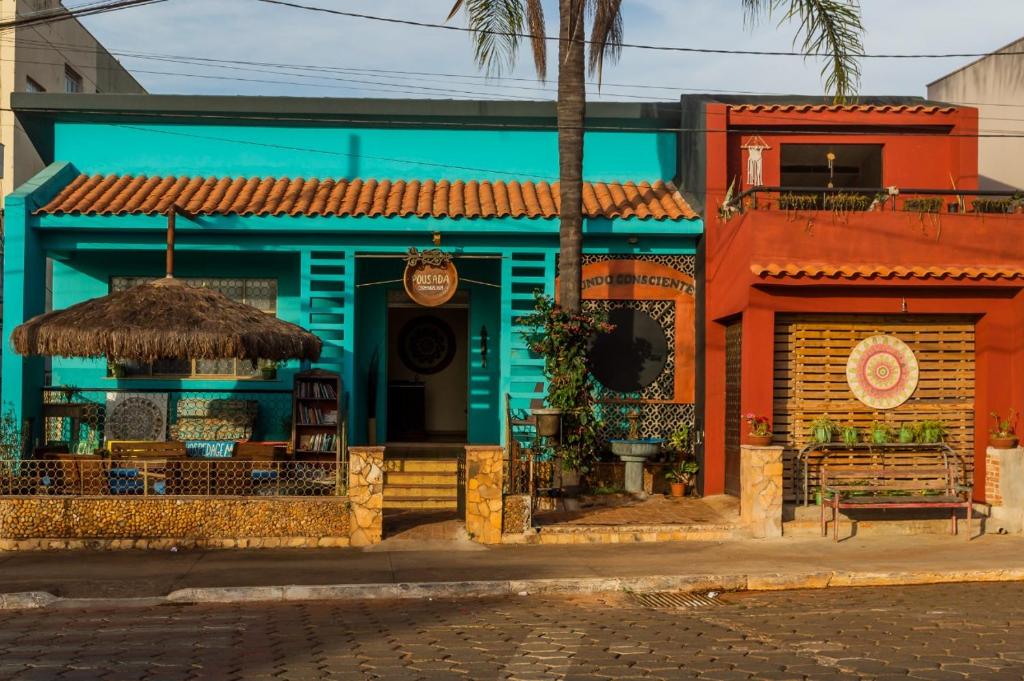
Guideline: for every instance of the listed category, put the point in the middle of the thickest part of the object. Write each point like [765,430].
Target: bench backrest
[880,471]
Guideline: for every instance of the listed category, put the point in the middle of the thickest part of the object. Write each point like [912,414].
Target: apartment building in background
[57,56]
[994,85]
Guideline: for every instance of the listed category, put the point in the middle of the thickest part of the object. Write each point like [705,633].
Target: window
[850,166]
[33,86]
[72,81]
[260,293]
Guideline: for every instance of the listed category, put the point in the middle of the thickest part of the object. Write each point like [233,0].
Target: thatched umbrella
[164,319]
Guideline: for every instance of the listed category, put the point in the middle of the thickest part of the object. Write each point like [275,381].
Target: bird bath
[634,451]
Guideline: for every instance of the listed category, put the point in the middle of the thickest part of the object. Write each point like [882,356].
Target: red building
[828,225]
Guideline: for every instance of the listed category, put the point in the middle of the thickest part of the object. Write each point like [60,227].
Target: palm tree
[828,27]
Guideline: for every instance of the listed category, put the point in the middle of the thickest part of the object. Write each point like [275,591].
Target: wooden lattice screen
[733,380]
[810,378]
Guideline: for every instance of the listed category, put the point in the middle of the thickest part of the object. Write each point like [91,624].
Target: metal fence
[96,476]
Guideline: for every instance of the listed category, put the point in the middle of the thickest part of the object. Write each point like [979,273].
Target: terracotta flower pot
[1003,441]
[677,489]
[759,440]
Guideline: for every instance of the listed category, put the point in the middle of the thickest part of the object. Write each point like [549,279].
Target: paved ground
[119,574]
[655,510]
[930,633]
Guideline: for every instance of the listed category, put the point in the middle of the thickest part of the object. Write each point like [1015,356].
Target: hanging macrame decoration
[755,146]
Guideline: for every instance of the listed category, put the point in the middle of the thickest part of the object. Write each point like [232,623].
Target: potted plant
[681,478]
[850,435]
[269,371]
[822,430]
[1003,434]
[760,434]
[907,433]
[549,421]
[117,369]
[932,432]
[880,433]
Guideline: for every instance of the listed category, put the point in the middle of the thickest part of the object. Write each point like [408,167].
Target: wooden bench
[895,479]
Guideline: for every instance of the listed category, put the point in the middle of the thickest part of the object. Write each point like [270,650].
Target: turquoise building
[306,208]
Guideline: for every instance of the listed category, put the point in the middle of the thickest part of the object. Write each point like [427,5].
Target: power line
[638,46]
[62,13]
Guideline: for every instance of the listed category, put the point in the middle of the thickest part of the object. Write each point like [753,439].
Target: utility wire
[638,46]
[62,13]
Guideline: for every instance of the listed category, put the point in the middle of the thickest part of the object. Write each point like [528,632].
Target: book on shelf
[316,390]
[316,416]
[320,442]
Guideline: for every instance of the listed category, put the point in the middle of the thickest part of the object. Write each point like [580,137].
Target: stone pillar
[484,465]
[366,495]
[761,490]
[1004,489]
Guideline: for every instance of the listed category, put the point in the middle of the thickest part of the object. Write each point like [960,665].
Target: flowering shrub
[563,339]
[759,425]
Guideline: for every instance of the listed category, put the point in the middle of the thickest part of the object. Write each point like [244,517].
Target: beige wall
[995,85]
[41,53]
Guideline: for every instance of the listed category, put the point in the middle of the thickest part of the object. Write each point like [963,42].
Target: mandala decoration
[426,345]
[136,416]
[882,372]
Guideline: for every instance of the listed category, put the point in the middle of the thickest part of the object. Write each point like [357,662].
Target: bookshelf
[317,416]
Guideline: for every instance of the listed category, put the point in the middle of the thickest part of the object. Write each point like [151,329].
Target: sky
[374,59]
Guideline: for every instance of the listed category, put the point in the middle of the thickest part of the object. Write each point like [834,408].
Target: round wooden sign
[431,284]
[882,372]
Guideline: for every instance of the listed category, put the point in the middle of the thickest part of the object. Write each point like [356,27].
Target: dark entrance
[427,373]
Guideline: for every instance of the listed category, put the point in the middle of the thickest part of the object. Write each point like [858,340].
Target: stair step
[420,492]
[420,478]
[427,502]
[421,465]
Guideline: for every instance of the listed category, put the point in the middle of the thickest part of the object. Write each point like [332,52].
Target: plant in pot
[760,433]
[116,369]
[681,477]
[823,429]
[850,435]
[931,432]
[1003,435]
[268,371]
[881,433]
[907,433]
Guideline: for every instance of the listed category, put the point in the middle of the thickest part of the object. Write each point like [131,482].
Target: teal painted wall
[220,148]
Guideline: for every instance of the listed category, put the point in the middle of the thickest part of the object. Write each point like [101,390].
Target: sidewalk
[227,575]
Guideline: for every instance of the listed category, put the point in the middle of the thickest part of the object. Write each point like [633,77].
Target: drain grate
[668,600]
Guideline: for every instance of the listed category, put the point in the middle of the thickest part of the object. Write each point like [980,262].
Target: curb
[522,587]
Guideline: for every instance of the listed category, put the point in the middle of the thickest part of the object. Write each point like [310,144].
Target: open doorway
[427,373]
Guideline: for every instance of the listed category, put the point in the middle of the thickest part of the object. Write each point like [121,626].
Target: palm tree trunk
[571,114]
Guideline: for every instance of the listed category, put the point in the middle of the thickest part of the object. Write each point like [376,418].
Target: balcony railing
[865,199]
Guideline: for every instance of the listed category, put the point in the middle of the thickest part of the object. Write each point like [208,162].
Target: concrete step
[421,465]
[420,491]
[421,503]
[419,478]
[880,528]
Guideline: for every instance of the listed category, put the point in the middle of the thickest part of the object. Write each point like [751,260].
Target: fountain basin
[634,453]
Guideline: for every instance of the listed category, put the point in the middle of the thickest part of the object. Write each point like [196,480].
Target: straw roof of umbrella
[164,319]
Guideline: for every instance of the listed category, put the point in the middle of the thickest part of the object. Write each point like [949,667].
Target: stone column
[761,490]
[366,495]
[484,465]
[1004,489]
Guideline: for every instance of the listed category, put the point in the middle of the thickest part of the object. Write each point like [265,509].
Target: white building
[995,85]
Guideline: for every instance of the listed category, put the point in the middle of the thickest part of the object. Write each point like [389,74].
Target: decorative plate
[426,345]
[136,416]
[882,372]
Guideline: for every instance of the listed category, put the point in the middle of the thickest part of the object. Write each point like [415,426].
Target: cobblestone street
[931,633]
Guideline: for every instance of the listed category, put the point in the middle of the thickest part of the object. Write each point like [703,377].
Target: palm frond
[605,35]
[538,41]
[497,26]
[832,28]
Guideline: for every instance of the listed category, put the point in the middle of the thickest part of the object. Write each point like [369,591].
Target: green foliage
[1005,427]
[562,339]
[684,472]
[793,201]
[931,432]
[932,204]
[850,435]
[881,433]
[823,429]
[679,440]
[11,435]
[995,205]
[844,202]
[908,433]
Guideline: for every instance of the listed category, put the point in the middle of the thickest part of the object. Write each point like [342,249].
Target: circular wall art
[426,345]
[882,372]
[633,355]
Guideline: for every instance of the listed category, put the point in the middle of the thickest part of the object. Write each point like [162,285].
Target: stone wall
[516,515]
[1004,489]
[366,492]
[484,467]
[185,522]
[761,490]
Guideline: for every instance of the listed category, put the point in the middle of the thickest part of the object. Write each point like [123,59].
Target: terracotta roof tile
[868,271]
[829,108]
[142,195]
